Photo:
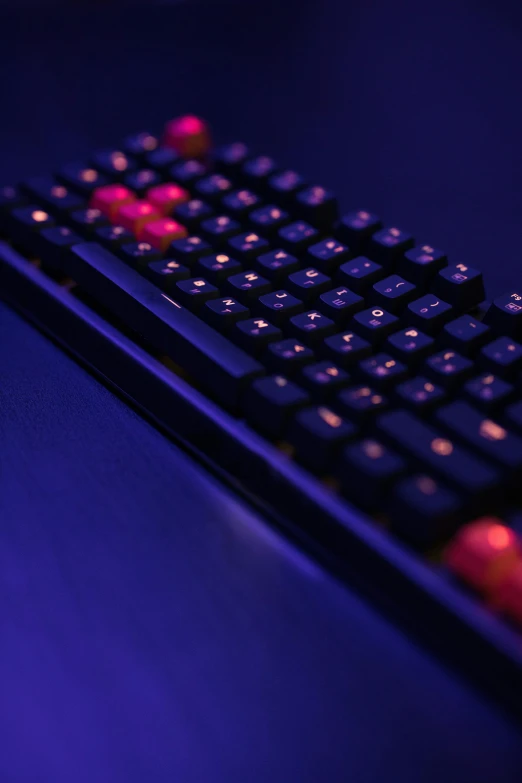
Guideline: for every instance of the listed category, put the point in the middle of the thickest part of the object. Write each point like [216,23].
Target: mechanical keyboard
[353,381]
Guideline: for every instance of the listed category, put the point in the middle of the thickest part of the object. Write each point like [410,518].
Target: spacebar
[206,355]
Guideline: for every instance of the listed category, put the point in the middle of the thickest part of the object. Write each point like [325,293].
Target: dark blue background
[152,627]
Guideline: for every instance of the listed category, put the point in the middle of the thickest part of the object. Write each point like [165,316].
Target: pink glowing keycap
[136,215]
[160,233]
[188,135]
[109,198]
[167,196]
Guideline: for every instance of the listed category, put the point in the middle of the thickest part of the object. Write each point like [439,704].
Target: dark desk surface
[154,628]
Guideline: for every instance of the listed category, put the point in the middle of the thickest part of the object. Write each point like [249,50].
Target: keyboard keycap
[382,370]
[307,284]
[256,171]
[324,379]
[311,327]
[268,220]
[361,403]
[428,313]
[489,392]
[340,304]
[317,434]
[166,197]
[110,198]
[367,470]
[23,223]
[270,403]
[136,215]
[160,233]
[375,324]
[360,274]
[84,179]
[296,237]
[52,244]
[165,273]
[393,293]
[115,164]
[420,395]
[461,286]
[139,144]
[230,157]
[192,213]
[424,511]
[317,206]
[219,229]
[87,221]
[138,254]
[505,315]
[424,445]
[239,203]
[276,265]
[141,180]
[194,292]
[356,228]
[327,255]
[388,244]
[502,357]
[222,368]
[420,264]
[482,553]
[288,356]
[188,250]
[465,334]
[247,246]
[283,186]
[217,268]
[476,430]
[213,187]
[411,346]
[224,313]
[112,237]
[188,135]
[346,348]
[254,334]
[448,368]
[279,306]
[52,195]
[247,286]
[188,172]
[161,159]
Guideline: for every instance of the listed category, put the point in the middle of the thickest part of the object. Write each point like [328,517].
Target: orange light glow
[499,537]
[39,216]
[331,418]
[441,446]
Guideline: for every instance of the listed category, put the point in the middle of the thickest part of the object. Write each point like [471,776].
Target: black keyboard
[352,380]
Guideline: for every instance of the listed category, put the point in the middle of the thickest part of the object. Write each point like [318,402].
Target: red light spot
[499,537]
[190,124]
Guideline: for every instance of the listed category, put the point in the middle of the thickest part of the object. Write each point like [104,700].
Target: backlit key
[346,348]
[139,181]
[167,196]
[423,510]
[461,286]
[110,198]
[429,313]
[192,213]
[188,135]
[139,144]
[230,157]
[82,178]
[112,237]
[324,379]
[361,403]
[420,264]
[115,163]
[270,402]
[52,195]
[360,274]
[483,553]
[505,315]
[166,272]
[503,357]
[288,356]
[160,233]
[367,470]
[488,391]
[317,205]
[136,215]
[356,228]
[388,244]
[317,434]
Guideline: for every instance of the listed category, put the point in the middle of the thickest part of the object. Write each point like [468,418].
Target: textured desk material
[152,627]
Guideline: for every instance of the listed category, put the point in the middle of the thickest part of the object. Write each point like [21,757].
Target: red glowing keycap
[109,198]
[188,135]
[167,196]
[136,215]
[508,597]
[483,553]
[160,233]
